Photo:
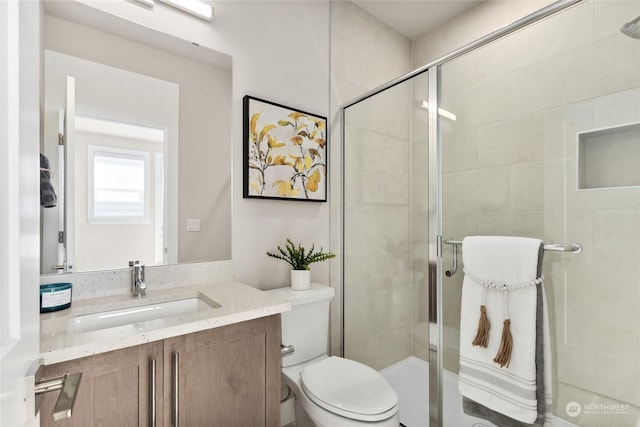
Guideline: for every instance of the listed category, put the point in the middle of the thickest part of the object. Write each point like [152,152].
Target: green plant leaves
[298,257]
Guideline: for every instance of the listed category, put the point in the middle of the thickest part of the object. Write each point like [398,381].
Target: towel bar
[572,247]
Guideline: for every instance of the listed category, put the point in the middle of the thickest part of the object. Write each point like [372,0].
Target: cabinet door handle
[176,387]
[152,392]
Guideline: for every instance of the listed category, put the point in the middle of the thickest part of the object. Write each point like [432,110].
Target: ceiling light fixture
[194,7]
[443,113]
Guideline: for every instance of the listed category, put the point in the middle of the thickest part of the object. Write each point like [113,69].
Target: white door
[19,208]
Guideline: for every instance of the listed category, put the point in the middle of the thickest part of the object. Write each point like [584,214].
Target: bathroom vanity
[216,366]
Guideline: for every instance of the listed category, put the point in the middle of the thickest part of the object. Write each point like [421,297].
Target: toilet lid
[350,389]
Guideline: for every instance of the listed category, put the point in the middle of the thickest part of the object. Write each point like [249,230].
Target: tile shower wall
[419,220]
[366,53]
[510,169]
[476,22]
[377,232]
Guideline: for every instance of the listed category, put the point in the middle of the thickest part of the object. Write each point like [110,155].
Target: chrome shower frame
[435,193]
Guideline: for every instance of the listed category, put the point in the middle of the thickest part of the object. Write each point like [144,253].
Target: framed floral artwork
[285,152]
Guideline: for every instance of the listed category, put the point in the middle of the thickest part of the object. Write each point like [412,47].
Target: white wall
[280,53]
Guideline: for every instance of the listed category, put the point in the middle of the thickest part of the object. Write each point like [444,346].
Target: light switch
[193,224]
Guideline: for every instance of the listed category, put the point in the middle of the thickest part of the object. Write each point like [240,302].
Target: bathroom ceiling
[413,18]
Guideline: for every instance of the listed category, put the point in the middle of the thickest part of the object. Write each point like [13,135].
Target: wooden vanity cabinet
[114,389]
[227,376]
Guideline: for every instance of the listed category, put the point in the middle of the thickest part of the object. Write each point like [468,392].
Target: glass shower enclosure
[535,132]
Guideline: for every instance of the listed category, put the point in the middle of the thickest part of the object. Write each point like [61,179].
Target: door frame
[20,28]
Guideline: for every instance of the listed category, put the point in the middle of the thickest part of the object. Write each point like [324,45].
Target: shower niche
[609,158]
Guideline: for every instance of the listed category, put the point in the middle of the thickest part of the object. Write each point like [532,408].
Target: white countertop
[238,302]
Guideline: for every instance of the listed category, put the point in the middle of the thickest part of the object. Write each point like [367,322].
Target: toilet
[329,391]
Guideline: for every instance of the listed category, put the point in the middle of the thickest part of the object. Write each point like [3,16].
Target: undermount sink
[141,314]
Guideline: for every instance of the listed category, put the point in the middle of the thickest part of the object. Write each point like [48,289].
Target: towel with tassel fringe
[499,338]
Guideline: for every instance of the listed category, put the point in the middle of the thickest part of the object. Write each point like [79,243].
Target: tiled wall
[510,169]
[377,231]
[366,53]
[419,221]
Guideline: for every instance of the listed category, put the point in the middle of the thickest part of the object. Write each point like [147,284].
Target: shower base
[410,378]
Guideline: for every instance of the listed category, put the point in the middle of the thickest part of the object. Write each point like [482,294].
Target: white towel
[494,263]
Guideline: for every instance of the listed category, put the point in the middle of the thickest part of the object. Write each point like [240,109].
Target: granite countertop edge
[238,302]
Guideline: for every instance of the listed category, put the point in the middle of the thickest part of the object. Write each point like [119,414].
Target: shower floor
[410,378]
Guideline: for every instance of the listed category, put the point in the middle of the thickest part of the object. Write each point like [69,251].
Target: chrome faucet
[138,285]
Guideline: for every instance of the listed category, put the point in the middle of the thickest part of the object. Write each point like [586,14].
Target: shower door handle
[454,267]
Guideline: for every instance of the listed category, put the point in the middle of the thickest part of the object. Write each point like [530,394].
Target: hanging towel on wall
[48,198]
[505,374]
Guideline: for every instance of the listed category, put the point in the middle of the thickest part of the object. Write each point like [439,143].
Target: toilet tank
[306,326]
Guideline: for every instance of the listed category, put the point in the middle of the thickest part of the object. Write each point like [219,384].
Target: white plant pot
[300,280]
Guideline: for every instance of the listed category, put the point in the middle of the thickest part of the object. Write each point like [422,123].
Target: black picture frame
[285,152]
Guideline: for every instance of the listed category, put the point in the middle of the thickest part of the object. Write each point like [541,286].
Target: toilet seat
[350,389]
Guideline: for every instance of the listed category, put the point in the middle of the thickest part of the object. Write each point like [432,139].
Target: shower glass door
[385,216]
[543,141]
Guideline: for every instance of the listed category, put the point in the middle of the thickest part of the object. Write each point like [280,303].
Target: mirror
[145,169]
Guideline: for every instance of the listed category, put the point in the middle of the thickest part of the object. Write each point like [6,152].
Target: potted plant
[299,259]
